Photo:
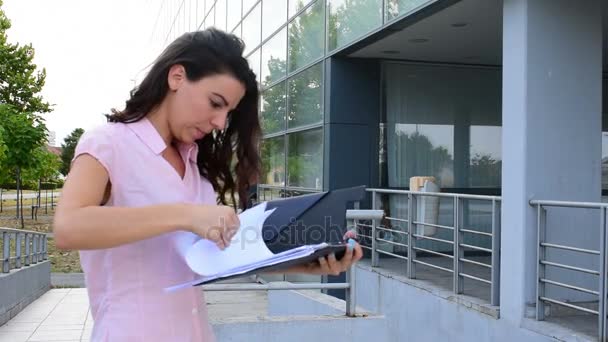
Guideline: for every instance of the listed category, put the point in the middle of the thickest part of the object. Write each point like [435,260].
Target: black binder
[304,220]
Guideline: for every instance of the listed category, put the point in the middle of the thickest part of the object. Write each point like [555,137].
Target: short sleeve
[97,143]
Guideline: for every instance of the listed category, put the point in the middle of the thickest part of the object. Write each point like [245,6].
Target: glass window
[444,122]
[296,5]
[247,4]
[273,161]
[305,97]
[274,13]
[306,37]
[273,109]
[200,12]
[305,159]
[192,25]
[485,167]
[254,63]
[234,13]
[252,29]
[395,8]
[220,14]
[274,58]
[348,20]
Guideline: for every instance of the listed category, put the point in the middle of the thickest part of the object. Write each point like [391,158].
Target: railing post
[602,277]
[18,250]
[350,294]
[411,252]
[28,254]
[45,249]
[458,239]
[375,255]
[351,302]
[496,222]
[35,249]
[6,239]
[541,221]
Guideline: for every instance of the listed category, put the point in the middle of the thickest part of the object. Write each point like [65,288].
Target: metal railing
[270,192]
[22,248]
[542,262]
[349,286]
[457,245]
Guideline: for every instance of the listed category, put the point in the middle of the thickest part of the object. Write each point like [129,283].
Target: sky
[92,51]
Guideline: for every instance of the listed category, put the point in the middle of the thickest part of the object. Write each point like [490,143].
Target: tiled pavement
[60,315]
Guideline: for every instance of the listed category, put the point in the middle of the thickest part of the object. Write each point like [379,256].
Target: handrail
[542,277]
[22,248]
[458,230]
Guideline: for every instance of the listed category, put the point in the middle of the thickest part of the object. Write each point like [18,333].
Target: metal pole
[602,278]
[18,250]
[496,222]
[375,255]
[28,255]
[351,295]
[541,221]
[411,252]
[45,249]
[35,249]
[458,239]
[6,252]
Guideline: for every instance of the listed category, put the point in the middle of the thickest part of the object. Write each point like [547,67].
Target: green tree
[67,149]
[20,80]
[24,134]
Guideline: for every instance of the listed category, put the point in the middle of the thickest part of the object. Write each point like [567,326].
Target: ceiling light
[418,40]
[462,24]
[391,52]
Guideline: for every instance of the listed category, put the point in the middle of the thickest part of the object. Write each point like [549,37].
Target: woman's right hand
[217,223]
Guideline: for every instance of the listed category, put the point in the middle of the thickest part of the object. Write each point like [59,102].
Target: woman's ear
[176,76]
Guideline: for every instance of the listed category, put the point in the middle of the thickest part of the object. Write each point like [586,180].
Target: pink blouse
[126,284]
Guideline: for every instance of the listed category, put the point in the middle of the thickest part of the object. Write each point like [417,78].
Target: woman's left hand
[330,265]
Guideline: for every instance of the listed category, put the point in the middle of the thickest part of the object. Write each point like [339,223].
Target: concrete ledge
[307,302]
[302,328]
[464,300]
[21,287]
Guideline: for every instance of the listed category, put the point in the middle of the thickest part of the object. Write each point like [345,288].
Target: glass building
[331,119]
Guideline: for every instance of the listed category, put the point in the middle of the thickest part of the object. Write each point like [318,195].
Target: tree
[24,134]
[20,81]
[67,149]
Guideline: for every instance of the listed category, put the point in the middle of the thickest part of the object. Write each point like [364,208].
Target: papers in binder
[247,251]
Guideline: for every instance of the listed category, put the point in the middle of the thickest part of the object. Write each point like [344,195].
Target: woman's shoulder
[108,130]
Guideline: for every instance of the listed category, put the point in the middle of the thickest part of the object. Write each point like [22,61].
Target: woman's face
[197,108]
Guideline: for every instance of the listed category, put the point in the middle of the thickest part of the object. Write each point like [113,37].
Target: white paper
[246,247]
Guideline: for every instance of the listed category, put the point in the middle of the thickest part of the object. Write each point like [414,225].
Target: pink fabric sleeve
[97,143]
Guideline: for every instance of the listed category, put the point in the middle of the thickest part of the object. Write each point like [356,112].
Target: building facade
[489,97]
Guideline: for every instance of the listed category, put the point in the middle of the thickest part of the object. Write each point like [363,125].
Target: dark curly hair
[202,54]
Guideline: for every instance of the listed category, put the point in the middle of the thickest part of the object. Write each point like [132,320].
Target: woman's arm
[82,223]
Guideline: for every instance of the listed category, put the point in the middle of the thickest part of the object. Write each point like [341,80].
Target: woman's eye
[215,105]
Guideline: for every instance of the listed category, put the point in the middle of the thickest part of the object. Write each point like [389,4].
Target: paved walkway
[59,315]
[62,315]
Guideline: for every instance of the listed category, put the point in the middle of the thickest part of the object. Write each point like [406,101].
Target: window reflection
[305,159]
[273,109]
[273,161]
[305,97]
[274,14]
[274,58]
[348,20]
[306,37]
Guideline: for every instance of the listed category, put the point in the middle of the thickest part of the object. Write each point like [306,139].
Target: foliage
[20,80]
[67,149]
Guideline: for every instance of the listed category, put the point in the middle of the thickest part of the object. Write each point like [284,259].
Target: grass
[61,261]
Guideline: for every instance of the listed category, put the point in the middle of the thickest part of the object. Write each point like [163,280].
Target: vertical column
[552,69]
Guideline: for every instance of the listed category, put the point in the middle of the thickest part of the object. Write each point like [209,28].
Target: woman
[148,182]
